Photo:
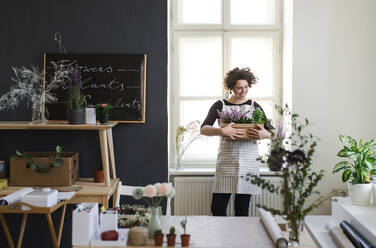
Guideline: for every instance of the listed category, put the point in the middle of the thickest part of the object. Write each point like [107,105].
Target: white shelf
[363,218]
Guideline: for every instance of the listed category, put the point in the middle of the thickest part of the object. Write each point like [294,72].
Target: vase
[103,119]
[155,222]
[295,231]
[39,113]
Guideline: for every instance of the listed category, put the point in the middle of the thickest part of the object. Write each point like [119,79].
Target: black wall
[92,26]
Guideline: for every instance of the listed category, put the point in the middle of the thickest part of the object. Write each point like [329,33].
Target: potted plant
[171,237]
[184,237]
[158,237]
[75,102]
[358,168]
[103,112]
[242,120]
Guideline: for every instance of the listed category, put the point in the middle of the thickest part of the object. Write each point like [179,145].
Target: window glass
[256,12]
[256,53]
[200,11]
[201,66]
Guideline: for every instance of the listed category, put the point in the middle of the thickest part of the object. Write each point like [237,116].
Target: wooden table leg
[22,230]
[61,224]
[104,152]
[111,152]
[6,231]
[115,196]
[105,202]
[52,230]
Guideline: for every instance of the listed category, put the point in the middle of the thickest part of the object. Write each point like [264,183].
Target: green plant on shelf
[55,161]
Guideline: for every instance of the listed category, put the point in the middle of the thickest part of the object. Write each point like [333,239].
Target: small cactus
[172,230]
[158,232]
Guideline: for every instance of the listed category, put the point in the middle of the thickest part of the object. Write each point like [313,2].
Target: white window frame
[226,31]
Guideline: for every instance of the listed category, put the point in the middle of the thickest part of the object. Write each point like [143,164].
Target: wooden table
[88,191]
[15,208]
[105,139]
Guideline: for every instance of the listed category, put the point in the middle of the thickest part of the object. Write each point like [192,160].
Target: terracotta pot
[158,240]
[185,239]
[98,176]
[171,239]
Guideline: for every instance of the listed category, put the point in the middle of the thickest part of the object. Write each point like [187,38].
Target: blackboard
[116,79]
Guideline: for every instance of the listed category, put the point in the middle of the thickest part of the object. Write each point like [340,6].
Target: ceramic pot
[171,239]
[360,194]
[75,116]
[185,239]
[155,222]
[98,176]
[158,240]
[103,119]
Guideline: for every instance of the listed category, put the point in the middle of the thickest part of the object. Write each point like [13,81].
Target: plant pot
[75,116]
[185,239]
[158,240]
[360,194]
[374,193]
[171,239]
[98,176]
[245,127]
[103,119]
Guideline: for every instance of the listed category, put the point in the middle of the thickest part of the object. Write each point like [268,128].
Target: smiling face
[240,89]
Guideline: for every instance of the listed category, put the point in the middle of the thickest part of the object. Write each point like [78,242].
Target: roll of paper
[273,229]
[339,238]
[15,196]
[355,237]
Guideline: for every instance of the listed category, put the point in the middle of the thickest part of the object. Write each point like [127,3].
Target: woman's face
[240,89]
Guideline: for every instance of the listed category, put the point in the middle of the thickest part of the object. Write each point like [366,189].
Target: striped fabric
[235,159]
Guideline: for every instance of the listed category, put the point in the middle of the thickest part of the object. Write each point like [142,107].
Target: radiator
[193,196]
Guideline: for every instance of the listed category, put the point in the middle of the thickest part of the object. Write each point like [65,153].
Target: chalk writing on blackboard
[117,79]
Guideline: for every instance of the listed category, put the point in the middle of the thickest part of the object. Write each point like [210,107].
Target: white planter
[360,194]
[374,193]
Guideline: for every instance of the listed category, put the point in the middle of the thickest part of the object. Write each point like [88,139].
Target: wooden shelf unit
[105,139]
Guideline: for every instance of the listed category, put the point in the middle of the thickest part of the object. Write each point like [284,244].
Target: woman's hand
[231,132]
[259,133]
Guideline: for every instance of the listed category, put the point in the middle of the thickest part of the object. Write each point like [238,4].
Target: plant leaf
[348,141]
[33,167]
[345,152]
[341,165]
[346,175]
[59,149]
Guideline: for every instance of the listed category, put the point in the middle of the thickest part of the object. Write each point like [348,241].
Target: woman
[236,158]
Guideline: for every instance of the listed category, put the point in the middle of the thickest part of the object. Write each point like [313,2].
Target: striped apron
[235,159]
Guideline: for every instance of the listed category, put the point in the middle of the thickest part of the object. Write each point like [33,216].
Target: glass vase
[155,222]
[39,112]
[295,231]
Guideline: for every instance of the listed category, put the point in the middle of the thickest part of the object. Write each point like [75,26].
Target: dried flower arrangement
[185,136]
[30,86]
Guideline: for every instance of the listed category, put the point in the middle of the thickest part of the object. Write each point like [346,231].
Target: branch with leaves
[185,136]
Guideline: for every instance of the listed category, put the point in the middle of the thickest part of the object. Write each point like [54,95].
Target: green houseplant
[103,112]
[358,168]
[158,237]
[171,237]
[184,237]
[75,101]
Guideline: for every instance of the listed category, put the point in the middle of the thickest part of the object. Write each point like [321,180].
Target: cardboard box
[65,175]
[85,223]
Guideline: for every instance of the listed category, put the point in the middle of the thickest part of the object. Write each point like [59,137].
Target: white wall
[334,75]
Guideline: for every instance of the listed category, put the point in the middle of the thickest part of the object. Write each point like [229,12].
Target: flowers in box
[237,116]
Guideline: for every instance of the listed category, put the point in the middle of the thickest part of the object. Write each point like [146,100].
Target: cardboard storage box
[65,175]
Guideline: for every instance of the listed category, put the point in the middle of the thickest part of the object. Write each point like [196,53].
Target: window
[209,38]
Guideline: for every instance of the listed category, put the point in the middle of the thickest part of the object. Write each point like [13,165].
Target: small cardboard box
[85,223]
[65,175]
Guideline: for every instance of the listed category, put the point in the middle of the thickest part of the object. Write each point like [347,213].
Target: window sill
[211,171]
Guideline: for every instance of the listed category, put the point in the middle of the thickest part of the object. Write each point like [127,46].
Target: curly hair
[239,74]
